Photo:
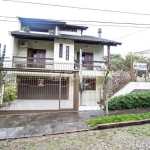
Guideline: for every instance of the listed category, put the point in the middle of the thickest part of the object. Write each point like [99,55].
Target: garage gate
[39,87]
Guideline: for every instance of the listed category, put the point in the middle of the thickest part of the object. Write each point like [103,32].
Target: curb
[120,124]
[40,135]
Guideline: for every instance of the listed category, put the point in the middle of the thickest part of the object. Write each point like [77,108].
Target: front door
[36,58]
[40,58]
[87,59]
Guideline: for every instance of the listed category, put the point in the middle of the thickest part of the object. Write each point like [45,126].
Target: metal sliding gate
[42,91]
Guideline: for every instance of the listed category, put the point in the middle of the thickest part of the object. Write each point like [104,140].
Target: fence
[40,90]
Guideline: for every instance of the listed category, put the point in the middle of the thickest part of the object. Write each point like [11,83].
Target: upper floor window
[60,50]
[69,30]
[67,52]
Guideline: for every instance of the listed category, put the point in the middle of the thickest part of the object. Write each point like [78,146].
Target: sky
[135,42]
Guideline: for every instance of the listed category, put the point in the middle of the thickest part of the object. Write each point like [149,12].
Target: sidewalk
[24,125]
[14,126]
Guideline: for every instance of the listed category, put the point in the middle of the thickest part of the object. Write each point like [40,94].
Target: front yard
[119,118]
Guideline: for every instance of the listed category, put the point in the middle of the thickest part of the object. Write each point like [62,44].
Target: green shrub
[10,93]
[119,118]
[130,101]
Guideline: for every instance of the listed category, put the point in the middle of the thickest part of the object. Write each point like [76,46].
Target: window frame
[60,50]
[67,52]
[91,81]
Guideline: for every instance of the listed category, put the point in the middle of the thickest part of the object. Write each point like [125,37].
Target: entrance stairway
[118,78]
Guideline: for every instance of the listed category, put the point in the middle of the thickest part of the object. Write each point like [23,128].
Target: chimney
[99,33]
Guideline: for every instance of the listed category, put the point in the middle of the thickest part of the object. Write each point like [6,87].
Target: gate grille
[39,87]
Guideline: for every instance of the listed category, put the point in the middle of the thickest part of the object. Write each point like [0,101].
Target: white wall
[15,46]
[131,86]
[98,51]
[22,51]
[62,63]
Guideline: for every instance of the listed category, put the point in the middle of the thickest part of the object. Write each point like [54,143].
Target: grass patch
[118,118]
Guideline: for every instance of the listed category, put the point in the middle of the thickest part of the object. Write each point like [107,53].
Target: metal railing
[49,63]
[91,65]
[30,62]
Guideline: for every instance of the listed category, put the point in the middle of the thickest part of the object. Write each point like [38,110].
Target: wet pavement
[15,126]
[25,125]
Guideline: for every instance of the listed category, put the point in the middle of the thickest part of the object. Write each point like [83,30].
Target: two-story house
[47,54]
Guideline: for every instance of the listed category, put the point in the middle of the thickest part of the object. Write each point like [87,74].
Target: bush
[10,93]
[130,101]
[119,118]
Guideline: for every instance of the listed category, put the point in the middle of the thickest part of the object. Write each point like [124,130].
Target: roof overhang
[44,25]
[76,39]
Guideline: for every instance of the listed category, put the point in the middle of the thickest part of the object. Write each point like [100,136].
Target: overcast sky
[135,42]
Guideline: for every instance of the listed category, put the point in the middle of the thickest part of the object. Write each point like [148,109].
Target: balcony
[30,62]
[91,65]
[48,64]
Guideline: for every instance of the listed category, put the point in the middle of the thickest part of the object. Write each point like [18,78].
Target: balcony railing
[48,63]
[91,65]
[30,62]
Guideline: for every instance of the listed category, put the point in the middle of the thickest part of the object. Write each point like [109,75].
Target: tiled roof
[77,39]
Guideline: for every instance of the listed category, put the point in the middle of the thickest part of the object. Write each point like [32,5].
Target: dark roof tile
[81,39]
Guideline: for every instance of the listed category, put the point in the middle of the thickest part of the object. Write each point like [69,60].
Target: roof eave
[57,37]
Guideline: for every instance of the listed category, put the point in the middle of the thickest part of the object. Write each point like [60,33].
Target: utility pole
[131,66]
[80,76]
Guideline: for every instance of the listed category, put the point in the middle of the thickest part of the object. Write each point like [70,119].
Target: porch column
[108,55]
[59,90]
[76,92]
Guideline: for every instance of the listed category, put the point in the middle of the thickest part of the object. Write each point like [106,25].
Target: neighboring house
[50,48]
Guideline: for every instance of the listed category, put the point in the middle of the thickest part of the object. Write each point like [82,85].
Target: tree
[117,60]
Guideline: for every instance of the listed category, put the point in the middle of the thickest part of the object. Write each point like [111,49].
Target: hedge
[130,101]
[118,118]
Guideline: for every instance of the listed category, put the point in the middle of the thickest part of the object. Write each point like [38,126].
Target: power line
[132,34]
[87,21]
[7,17]
[100,22]
[124,23]
[118,38]
[107,25]
[85,8]
[104,25]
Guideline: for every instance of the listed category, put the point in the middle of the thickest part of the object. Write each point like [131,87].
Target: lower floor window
[90,83]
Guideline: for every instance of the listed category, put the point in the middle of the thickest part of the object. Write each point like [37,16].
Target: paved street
[137,137]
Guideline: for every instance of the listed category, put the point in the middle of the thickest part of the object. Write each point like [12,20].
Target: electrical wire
[75,7]
[87,21]
[131,34]
[109,24]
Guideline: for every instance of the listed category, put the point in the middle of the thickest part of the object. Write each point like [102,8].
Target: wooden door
[40,58]
[30,58]
[89,60]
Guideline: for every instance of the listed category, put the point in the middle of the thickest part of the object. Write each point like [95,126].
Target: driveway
[15,126]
